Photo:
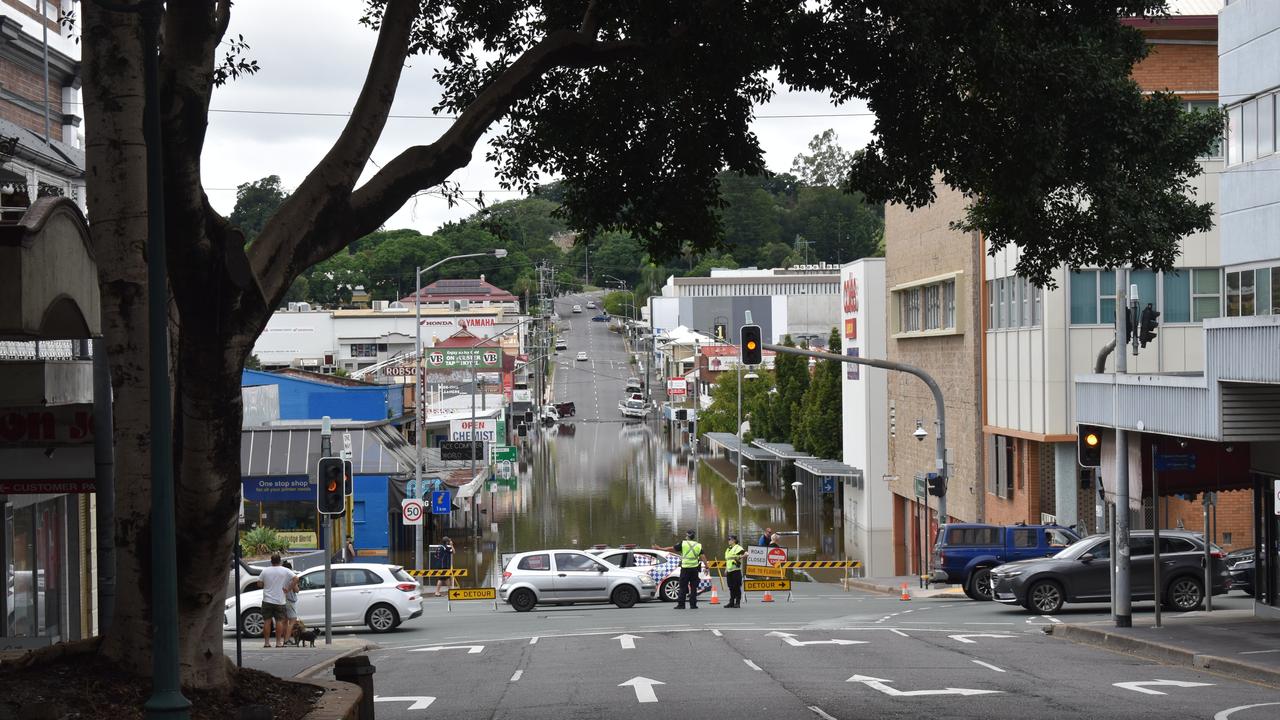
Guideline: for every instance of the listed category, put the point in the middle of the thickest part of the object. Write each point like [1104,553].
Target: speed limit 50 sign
[411,511]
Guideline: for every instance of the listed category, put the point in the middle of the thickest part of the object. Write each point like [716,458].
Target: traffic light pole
[941,444]
[1121,599]
[326,449]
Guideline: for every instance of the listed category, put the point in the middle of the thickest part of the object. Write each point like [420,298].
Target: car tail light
[506,575]
[1218,554]
[407,587]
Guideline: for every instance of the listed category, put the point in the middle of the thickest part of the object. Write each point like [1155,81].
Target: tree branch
[591,19]
[421,167]
[287,243]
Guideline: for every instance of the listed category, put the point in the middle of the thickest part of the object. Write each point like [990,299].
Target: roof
[756,279]
[729,442]
[294,448]
[784,451]
[317,378]
[475,289]
[823,467]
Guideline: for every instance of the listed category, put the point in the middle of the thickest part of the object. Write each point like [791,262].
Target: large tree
[636,107]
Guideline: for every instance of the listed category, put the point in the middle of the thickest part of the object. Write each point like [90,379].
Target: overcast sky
[313,54]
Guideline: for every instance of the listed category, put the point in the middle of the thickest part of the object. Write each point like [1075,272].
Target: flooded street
[599,479]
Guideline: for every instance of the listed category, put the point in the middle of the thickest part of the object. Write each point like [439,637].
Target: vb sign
[483,429]
[411,511]
[677,386]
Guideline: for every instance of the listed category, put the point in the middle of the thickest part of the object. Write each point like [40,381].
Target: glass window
[619,559]
[1233,294]
[574,562]
[1057,538]
[1177,296]
[542,561]
[1141,545]
[949,304]
[1024,538]
[932,307]
[1246,292]
[1235,139]
[973,536]
[1262,291]
[1106,297]
[312,581]
[1084,297]
[1266,125]
[352,577]
[1206,294]
[1037,311]
[1002,305]
[991,304]
[1101,551]
[1275,292]
[1024,288]
[1249,131]
[1176,545]
[1146,282]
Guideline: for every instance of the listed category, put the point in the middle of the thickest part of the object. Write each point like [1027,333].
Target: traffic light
[331,496]
[1130,324]
[522,430]
[348,478]
[1148,323]
[1088,446]
[752,350]
[528,417]
[937,485]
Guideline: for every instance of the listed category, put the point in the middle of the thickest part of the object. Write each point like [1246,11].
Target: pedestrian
[290,602]
[350,551]
[733,571]
[766,537]
[445,556]
[274,580]
[775,540]
[691,560]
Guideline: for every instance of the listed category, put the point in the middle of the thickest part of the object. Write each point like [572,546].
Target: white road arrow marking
[793,642]
[965,638]
[643,687]
[628,641]
[420,702]
[1231,711]
[1141,685]
[881,685]
[471,649]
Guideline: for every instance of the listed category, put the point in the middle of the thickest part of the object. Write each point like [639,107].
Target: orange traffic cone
[768,597]
[906,594]
[715,599]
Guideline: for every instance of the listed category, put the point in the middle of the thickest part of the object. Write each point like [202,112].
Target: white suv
[569,576]
[380,596]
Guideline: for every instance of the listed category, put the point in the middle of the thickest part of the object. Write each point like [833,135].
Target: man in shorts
[274,581]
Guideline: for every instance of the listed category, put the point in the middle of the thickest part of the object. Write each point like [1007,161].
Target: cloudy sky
[313,54]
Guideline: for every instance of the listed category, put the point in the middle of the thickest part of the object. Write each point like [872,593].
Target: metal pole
[104,482]
[1155,532]
[239,633]
[1208,557]
[167,700]
[1121,584]
[326,450]
[738,485]
[418,412]
[475,513]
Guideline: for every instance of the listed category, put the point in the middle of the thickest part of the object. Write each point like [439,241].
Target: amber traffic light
[331,497]
[752,350]
[1089,446]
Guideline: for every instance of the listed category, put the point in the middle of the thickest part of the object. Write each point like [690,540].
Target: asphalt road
[827,654]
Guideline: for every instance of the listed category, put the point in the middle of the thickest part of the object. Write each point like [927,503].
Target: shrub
[262,541]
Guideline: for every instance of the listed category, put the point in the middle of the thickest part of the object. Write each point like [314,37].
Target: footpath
[303,662]
[1231,642]
[893,586]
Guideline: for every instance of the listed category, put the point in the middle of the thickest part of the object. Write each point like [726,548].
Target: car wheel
[251,622]
[1045,597]
[979,585]
[670,590]
[1185,594]
[382,618]
[625,596]
[523,600]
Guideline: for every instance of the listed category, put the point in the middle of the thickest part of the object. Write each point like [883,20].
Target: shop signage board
[481,429]
[463,358]
[460,450]
[677,386]
[46,427]
[1175,461]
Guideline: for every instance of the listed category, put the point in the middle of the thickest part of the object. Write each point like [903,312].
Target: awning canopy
[781,451]
[293,449]
[824,468]
[729,442]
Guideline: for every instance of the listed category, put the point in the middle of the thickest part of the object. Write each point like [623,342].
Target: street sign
[507,453]
[777,556]
[460,450]
[1175,461]
[828,484]
[767,571]
[411,511]
[504,470]
[770,585]
[441,502]
[677,386]
[483,593]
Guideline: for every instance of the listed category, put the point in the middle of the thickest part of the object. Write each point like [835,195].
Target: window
[541,561]
[1141,545]
[1266,125]
[927,307]
[932,307]
[1206,294]
[1024,539]
[1251,292]
[1235,139]
[1233,294]
[1176,545]
[352,577]
[312,581]
[573,562]
[363,350]
[1002,304]
[1084,297]
[1013,302]
[1000,469]
[949,304]
[1249,131]
[910,310]
[1177,297]
[974,536]
[1056,538]
[1106,297]
[1207,106]
[1189,295]
[1101,551]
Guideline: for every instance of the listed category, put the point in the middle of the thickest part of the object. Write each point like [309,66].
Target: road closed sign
[411,511]
[766,561]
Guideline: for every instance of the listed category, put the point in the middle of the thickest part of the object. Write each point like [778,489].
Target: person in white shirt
[274,581]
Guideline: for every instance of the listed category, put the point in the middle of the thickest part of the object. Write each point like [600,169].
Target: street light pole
[420,377]
[738,486]
[796,486]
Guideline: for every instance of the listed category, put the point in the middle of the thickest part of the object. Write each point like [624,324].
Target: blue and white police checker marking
[440,502]
[828,484]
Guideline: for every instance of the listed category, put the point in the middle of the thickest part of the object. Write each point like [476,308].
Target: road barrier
[778,574]
[799,564]
[453,572]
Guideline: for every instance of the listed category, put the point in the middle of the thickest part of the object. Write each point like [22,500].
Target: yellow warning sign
[485,593]
[770,585]
[767,571]
[454,572]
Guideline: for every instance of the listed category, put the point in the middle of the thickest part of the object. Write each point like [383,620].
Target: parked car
[591,305]
[965,553]
[577,308]
[379,596]
[602,317]
[570,576]
[662,566]
[562,345]
[582,355]
[1241,564]
[633,386]
[565,409]
[1082,573]
[249,579]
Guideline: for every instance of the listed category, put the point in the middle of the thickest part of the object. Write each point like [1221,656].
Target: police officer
[733,571]
[691,559]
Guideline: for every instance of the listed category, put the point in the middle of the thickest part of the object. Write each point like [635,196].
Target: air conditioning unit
[379,305]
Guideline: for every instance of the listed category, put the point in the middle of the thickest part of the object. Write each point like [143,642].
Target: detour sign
[484,593]
[770,585]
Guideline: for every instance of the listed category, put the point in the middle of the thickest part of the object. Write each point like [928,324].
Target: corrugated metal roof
[1195,7]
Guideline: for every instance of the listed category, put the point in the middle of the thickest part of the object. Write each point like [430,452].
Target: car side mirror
[1086,558]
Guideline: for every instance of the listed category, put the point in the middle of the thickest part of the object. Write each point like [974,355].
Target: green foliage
[792,372]
[709,261]
[262,541]
[256,202]
[827,164]
[252,363]
[722,415]
[619,302]
[818,425]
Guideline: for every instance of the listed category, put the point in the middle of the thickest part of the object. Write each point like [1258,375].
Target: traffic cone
[768,597]
[715,599]
[906,594]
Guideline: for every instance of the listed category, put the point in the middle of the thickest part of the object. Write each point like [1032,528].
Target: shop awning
[824,468]
[781,451]
[729,442]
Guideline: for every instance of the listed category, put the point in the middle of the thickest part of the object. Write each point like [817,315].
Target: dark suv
[966,552]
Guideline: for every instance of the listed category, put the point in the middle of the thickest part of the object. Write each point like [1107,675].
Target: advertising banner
[447,358]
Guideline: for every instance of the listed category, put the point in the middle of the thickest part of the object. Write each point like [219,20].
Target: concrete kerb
[879,586]
[339,701]
[321,666]
[1164,652]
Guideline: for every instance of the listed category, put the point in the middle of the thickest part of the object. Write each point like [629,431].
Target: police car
[662,566]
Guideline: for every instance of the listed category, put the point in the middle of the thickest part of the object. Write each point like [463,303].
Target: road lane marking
[533,640]
[818,711]
[1259,652]
[896,631]
[1231,711]
[643,687]
[420,702]
[965,638]
[883,686]
[990,623]
[752,665]
[628,641]
[988,665]
[471,649]
[1144,686]
[791,640]
[717,633]
[515,677]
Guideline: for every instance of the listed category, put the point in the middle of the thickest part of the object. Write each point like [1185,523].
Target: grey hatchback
[570,576]
[1081,573]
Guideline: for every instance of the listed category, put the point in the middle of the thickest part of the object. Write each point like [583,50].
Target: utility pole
[1121,599]
[326,450]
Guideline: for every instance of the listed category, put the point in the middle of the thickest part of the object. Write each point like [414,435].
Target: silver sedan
[570,576]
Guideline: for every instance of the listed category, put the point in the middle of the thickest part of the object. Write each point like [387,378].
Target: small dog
[302,634]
